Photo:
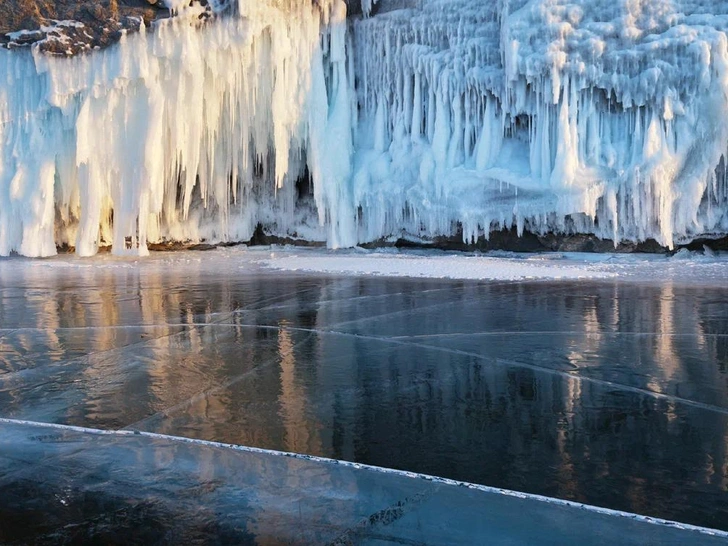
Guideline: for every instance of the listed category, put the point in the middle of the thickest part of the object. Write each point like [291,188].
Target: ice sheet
[98,486]
[571,389]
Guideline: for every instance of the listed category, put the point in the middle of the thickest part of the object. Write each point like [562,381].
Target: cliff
[66,27]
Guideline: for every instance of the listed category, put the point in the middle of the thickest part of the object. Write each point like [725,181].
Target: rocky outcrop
[67,27]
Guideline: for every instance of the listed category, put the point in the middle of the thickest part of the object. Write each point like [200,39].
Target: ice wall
[194,131]
[600,116]
[603,116]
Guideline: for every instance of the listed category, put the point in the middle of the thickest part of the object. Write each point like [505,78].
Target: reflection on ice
[611,393]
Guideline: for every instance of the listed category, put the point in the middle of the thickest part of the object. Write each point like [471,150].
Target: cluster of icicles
[449,115]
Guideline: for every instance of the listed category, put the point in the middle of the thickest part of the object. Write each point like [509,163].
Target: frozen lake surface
[602,380]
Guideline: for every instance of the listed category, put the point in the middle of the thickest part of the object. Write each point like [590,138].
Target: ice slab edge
[600,117]
[301,498]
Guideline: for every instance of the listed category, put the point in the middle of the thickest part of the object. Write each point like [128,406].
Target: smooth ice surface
[431,118]
[610,391]
[99,487]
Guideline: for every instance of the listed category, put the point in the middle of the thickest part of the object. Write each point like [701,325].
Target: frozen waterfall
[427,117]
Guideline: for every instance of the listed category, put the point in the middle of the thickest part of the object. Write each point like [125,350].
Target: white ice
[686,269]
[593,116]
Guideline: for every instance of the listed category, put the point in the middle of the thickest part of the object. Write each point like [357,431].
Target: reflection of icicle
[300,434]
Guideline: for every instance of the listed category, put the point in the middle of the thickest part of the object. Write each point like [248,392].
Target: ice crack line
[386,516]
[204,394]
[516,364]
[554,332]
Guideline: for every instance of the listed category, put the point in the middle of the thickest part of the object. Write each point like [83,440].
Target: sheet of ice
[205,491]
[548,115]
[536,386]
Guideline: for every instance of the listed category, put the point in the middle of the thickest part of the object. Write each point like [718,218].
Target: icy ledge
[264,495]
[596,117]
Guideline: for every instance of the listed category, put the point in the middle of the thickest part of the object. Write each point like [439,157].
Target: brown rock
[67,27]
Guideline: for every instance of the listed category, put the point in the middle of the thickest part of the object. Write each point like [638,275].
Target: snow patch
[437,267]
[697,269]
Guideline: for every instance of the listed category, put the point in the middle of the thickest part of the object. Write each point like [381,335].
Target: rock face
[67,27]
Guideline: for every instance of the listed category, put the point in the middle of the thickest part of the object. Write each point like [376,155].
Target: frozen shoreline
[684,268]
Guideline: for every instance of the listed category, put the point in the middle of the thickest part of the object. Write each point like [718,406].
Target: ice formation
[430,116]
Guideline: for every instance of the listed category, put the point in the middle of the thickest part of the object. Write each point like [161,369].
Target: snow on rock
[595,116]
[67,27]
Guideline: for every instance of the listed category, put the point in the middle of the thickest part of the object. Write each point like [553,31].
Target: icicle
[542,115]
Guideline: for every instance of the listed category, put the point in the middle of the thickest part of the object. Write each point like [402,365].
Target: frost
[605,117]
